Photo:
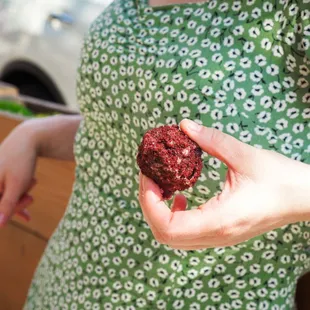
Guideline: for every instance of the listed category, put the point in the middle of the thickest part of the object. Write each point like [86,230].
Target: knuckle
[157,236]
[15,181]
[224,232]
[216,136]
[162,237]
[7,204]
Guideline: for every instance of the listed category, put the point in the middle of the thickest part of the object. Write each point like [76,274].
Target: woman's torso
[239,66]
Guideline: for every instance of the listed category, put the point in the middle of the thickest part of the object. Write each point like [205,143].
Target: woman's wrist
[53,136]
[30,130]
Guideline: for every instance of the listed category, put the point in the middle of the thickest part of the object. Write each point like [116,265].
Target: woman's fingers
[31,185]
[179,203]
[23,203]
[24,214]
[20,208]
[226,148]
[8,202]
[154,209]
[172,227]
[10,199]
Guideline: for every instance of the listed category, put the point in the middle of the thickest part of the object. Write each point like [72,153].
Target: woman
[236,67]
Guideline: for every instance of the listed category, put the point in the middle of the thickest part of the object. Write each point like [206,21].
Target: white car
[40,44]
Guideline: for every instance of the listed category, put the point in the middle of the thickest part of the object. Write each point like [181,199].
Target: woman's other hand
[18,154]
[50,137]
[263,191]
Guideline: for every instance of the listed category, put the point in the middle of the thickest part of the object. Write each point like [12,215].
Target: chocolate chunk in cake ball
[170,158]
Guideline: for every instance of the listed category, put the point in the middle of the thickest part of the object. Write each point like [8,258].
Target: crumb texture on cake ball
[170,158]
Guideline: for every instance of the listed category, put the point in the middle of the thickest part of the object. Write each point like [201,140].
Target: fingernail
[25,215]
[3,219]
[192,126]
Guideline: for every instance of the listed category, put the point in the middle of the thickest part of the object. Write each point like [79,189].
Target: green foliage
[15,108]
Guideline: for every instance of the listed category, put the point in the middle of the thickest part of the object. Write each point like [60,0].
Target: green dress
[240,66]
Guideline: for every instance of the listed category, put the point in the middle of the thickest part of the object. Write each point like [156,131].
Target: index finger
[10,197]
[153,207]
[231,151]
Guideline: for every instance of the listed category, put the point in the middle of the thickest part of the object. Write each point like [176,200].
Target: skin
[263,191]
[51,137]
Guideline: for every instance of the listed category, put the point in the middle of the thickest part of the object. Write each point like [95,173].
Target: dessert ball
[170,158]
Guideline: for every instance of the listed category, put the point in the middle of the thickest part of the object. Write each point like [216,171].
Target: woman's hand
[263,191]
[51,137]
[18,154]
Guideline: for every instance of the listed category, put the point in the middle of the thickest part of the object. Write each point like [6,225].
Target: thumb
[226,148]
[9,200]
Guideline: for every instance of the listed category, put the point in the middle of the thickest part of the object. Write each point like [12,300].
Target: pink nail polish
[3,219]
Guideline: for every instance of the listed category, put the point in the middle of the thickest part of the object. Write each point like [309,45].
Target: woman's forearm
[53,136]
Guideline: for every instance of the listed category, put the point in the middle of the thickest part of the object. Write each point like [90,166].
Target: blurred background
[40,43]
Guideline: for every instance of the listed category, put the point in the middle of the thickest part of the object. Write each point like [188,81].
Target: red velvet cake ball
[170,158]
